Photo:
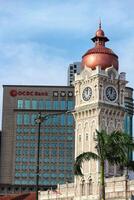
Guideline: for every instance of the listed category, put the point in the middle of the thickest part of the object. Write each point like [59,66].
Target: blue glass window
[70,138]
[128,124]
[48,104]
[26,130]
[70,105]
[70,119]
[17,181]
[55,120]
[70,131]
[32,137]
[125,123]
[47,121]
[63,119]
[26,119]
[19,119]
[19,130]
[63,105]
[56,105]
[53,152]
[41,104]
[20,103]
[61,152]
[61,144]
[33,117]
[27,104]
[34,104]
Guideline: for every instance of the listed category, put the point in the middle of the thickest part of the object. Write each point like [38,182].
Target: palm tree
[112,147]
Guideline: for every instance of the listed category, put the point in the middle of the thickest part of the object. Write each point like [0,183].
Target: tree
[113,147]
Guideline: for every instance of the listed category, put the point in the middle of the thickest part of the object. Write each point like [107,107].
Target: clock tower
[99,104]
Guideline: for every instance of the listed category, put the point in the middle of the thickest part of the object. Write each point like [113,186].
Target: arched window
[86,136]
[79,138]
[90,186]
[82,187]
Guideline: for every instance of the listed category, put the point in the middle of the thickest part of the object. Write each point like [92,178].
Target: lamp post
[41,118]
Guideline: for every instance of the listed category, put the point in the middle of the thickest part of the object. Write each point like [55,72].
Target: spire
[100,37]
[100,23]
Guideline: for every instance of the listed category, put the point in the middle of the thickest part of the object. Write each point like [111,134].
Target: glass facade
[45,104]
[129,129]
[128,124]
[128,121]
[56,144]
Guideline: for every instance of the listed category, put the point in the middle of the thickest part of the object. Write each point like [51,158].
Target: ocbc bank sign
[15,93]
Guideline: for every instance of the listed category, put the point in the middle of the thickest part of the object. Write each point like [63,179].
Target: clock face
[87,93]
[111,93]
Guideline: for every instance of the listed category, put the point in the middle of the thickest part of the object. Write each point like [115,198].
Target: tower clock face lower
[111,93]
[87,93]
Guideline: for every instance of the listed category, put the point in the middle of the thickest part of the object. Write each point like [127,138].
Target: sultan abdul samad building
[102,101]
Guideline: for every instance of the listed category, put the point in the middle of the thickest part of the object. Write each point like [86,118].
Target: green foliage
[113,147]
[80,159]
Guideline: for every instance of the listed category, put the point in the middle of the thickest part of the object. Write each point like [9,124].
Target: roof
[40,86]
[27,196]
[100,49]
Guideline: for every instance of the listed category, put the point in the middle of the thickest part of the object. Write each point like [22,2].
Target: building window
[48,105]
[34,104]
[41,104]
[83,188]
[55,120]
[63,105]
[63,119]
[86,136]
[20,103]
[128,124]
[55,105]
[33,117]
[19,119]
[79,138]
[26,119]
[70,105]
[27,104]
[70,138]
[47,122]
[32,130]
[90,187]
[70,120]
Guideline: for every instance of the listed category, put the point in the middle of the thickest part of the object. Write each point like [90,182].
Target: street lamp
[39,121]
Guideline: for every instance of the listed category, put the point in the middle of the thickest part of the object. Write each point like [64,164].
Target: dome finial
[100,37]
[100,23]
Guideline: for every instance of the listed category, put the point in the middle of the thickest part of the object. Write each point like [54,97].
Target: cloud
[39,39]
[30,63]
[27,26]
[26,21]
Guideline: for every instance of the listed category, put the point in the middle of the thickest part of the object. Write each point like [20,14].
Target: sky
[40,38]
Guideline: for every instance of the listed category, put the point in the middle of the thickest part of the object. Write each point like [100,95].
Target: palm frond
[102,143]
[113,147]
[119,145]
[86,156]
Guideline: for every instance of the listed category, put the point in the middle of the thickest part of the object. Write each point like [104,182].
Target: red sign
[15,93]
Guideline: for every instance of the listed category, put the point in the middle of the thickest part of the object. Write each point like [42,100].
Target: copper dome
[100,55]
[100,33]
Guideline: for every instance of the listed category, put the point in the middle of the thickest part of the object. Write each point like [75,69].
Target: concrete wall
[116,188]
